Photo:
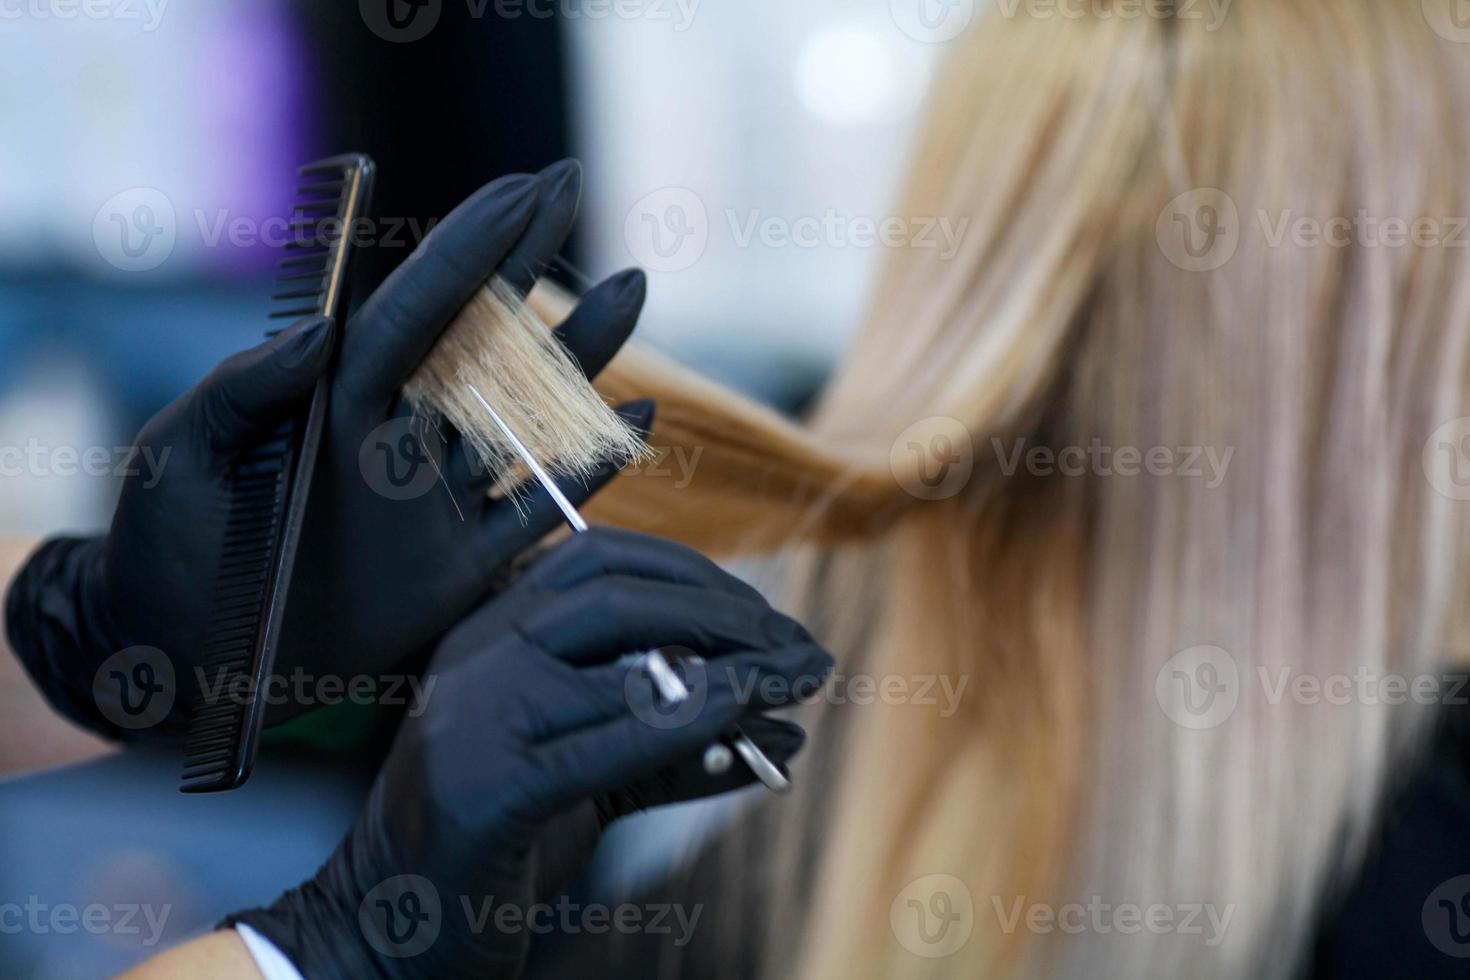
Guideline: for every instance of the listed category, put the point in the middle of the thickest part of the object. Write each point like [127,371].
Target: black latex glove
[532,739]
[380,572]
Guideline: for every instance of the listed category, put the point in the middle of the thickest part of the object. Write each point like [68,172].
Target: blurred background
[151,155]
[153,142]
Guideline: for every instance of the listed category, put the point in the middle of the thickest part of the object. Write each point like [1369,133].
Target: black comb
[268,490]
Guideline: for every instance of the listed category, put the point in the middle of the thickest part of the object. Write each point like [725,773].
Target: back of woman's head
[1209,307]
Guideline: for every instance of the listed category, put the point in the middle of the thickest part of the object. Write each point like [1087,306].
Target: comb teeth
[257,503]
[319,220]
[268,487]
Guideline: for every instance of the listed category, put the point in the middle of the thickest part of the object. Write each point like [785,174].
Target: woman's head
[1210,303]
[1243,252]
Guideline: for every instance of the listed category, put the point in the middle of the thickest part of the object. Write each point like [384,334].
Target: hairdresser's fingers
[608,756]
[398,324]
[509,527]
[613,615]
[252,392]
[467,477]
[687,779]
[466,472]
[509,531]
[628,749]
[615,551]
[763,680]
[604,319]
[411,442]
[567,698]
[556,210]
[471,477]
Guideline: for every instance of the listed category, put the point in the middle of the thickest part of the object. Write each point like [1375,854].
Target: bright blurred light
[209,111]
[850,76]
[759,133]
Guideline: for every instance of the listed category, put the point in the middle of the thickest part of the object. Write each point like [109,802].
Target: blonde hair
[1069,318]
[498,349]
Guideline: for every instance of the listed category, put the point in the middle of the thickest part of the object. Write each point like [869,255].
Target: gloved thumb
[249,394]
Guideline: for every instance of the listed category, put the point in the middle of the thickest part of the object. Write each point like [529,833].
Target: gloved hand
[378,576]
[533,738]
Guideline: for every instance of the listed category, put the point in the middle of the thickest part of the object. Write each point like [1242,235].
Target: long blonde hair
[1074,315]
